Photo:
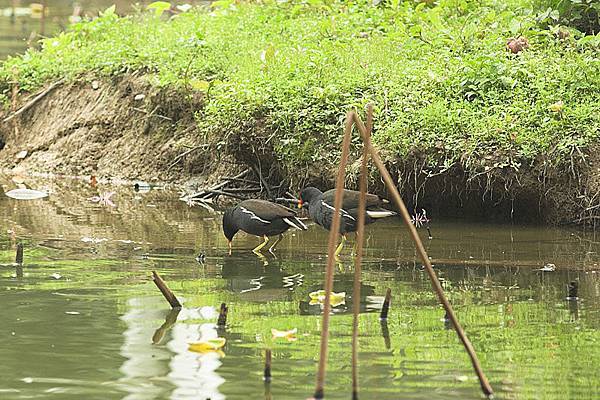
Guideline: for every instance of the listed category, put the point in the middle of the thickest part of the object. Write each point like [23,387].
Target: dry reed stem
[164,289]
[437,287]
[333,236]
[360,236]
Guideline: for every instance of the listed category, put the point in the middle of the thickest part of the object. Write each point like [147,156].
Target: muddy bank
[127,128]
[121,128]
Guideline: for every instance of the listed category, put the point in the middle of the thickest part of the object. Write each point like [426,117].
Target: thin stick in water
[385,333]
[360,236]
[437,287]
[166,292]
[222,320]
[267,373]
[386,305]
[19,256]
[333,237]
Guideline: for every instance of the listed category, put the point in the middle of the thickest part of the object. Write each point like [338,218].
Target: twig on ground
[185,153]
[34,100]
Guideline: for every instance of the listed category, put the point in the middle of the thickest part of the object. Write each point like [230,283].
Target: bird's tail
[380,213]
[295,223]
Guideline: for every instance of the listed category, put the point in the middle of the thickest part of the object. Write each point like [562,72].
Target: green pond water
[21,23]
[84,320]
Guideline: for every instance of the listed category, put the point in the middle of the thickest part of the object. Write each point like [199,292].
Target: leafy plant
[583,15]
[280,76]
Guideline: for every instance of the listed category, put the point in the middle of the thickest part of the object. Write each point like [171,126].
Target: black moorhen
[260,218]
[320,209]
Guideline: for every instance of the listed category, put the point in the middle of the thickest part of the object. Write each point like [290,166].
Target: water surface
[21,22]
[84,320]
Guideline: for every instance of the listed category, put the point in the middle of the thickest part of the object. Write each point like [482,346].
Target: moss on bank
[277,77]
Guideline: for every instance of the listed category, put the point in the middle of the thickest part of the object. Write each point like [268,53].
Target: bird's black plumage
[321,208]
[260,218]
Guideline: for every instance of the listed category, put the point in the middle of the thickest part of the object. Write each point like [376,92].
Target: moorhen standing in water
[260,218]
[321,209]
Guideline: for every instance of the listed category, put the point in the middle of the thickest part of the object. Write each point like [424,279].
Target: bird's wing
[351,197]
[267,210]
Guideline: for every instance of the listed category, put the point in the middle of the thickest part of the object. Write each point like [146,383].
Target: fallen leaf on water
[26,194]
[208,346]
[335,299]
[290,335]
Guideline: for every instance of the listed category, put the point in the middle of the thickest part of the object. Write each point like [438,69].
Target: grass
[446,88]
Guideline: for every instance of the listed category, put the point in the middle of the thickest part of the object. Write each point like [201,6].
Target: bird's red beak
[300,203]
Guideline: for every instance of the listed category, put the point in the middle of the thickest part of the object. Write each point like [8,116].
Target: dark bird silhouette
[260,218]
[321,209]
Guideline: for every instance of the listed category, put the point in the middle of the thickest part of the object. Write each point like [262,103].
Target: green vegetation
[445,86]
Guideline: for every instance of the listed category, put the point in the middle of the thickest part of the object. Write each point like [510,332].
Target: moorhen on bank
[260,218]
[321,209]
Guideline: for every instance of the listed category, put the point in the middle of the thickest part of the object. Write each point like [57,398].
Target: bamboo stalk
[360,236]
[164,289]
[333,236]
[437,287]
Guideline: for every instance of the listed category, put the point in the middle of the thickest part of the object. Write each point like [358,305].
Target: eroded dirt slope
[123,128]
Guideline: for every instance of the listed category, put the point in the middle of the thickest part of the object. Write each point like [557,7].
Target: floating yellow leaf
[289,335]
[211,345]
[336,299]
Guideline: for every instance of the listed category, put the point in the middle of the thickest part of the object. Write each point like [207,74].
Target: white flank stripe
[293,224]
[254,216]
[380,214]
[344,213]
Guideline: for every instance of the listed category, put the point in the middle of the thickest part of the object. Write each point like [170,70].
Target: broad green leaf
[109,11]
[159,7]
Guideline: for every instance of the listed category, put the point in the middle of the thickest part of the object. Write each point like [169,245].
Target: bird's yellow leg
[340,247]
[272,248]
[262,258]
[260,246]
[355,247]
